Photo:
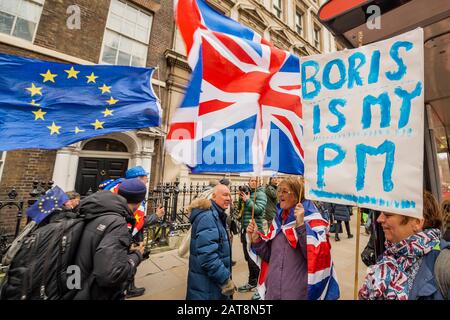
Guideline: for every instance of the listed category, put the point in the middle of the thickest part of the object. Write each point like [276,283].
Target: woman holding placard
[415,264]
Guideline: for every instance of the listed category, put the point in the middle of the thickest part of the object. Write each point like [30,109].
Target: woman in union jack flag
[294,256]
[416,262]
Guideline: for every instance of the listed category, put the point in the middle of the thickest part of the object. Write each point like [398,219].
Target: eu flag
[49,105]
[52,200]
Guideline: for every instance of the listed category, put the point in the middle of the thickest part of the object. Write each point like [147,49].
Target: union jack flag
[322,282]
[139,214]
[242,110]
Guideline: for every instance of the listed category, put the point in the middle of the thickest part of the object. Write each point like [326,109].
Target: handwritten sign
[364,123]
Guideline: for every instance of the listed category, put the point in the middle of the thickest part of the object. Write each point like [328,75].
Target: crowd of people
[414,263]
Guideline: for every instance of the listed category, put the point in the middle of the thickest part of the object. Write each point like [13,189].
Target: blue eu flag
[52,200]
[49,105]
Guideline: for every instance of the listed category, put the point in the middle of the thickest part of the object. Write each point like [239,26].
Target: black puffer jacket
[103,257]
[341,212]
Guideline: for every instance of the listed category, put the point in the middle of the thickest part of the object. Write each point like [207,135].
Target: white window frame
[38,2]
[2,163]
[277,9]
[317,42]
[125,36]
[302,22]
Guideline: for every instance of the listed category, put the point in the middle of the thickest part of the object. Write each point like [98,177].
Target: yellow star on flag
[39,114]
[78,130]
[105,88]
[107,112]
[33,103]
[98,124]
[54,128]
[72,73]
[112,101]
[34,90]
[91,78]
[48,76]
[137,218]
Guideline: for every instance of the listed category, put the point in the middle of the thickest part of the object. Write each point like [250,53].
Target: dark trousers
[253,269]
[339,227]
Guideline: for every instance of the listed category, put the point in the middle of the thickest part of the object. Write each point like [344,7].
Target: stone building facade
[125,32]
[291,25]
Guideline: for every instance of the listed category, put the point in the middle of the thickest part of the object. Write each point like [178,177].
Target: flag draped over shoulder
[242,110]
[322,282]
[49,105]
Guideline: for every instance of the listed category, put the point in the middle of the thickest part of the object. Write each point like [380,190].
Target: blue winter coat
[210,252]
[424,285]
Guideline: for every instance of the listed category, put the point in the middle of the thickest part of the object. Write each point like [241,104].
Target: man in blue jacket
[209,275]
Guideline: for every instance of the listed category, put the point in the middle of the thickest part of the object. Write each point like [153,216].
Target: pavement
[164,275]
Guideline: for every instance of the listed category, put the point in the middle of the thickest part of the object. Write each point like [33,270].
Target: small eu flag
[52,200]
[49,105]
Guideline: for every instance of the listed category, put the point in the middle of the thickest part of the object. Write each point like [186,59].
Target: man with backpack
[142,219]
[77,255]
[106,257]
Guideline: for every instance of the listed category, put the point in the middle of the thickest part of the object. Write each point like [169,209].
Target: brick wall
[84,43]
[21,168]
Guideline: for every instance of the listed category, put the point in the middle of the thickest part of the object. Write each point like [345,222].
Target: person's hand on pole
[299,213]
[160,212]
[252,231]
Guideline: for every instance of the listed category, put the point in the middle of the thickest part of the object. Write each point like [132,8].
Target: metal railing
[173,196]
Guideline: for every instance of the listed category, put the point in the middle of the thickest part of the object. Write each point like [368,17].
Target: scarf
[388,279]
[322,283]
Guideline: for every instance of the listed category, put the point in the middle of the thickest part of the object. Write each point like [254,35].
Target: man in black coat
[342,213]
[105,256]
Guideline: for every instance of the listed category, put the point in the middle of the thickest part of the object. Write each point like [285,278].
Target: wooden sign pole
[358,217]
[358,226]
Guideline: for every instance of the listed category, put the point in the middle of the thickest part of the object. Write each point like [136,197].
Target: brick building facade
[108,29]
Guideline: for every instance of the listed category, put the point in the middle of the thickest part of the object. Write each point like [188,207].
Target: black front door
[92,171]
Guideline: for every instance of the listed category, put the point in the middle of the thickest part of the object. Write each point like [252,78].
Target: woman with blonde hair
[408,268]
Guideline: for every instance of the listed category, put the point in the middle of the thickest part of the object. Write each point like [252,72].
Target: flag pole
[254,199]
[358,216]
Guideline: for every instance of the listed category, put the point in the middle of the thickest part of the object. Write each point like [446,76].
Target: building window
[127,35]
[19,18]
[317,37]
[2,162]
[299,22]
[277,8]
[109,145]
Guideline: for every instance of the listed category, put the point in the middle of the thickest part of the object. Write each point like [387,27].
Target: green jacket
[260,205]
[271,208]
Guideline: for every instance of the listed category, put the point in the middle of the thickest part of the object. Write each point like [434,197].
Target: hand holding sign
[299,213]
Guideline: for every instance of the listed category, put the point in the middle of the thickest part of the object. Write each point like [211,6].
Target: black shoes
[133,292]
[337,238]
[350,236]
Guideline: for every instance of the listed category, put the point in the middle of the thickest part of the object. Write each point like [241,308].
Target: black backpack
[38,271]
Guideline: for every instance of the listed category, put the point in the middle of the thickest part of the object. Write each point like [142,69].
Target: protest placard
[364,123]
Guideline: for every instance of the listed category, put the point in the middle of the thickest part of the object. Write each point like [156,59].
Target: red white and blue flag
[242,110]
[322,282]
[139,214]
